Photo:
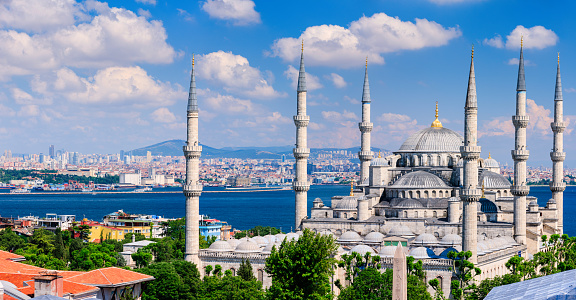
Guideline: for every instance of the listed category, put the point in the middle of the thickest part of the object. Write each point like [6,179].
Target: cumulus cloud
[229,105]
[339,117]
[337,80]
[235,74]
[149,2]
[537,37]
[312,82]
[39,15]
[119,85]
[163,115]
[515,61]
[398,127]
[186,15]
[113,36]
[494,42]
[239,12]
[331,45]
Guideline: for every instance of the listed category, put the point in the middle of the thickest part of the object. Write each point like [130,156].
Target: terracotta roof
[77,288]
[68,274]
[110,276]
[11,256]
[8,266]
[17,279]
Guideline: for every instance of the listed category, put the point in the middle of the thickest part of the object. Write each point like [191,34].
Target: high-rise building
[51,151]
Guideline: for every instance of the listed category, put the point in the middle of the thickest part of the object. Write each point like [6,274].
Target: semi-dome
[347,203]
[350,236]
[220,246]
[400,230]
[247,246]
[444,253]
[233,243]
[410,203]
[451,239]
[425,239]
[421,253]
[374,237]
[433,139]
[487,206]
[492,180]
[419,179]
[363,249]
[387,251]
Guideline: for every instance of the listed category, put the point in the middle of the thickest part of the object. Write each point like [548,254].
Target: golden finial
[521,41]
[192,58]
[436,122]
[489,156]
[558,57]
[366,62]
[483,190]
[352,187]
[302,45]
[472,51]
[379,154]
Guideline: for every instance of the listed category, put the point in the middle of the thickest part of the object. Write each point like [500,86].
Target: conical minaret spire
[520,155]
[301,152]
[192,188]
[365,155]
[470,154]
[557,186]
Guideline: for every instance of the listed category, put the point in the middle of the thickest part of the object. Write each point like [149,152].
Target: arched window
[426,194]
[233,271]
[439,280]
[410,194]
[425,214]
[405,214]
[440,194]
[416,214]
[434,214]
[260,275]
[433,194]
[417,194]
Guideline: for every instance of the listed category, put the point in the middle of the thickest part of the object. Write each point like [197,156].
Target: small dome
[420,179]
[271,238]
[425,239]
[233,243]
[350,237]
[374,237]
[260,240]
[400,230]
[362,249]
[533,203]
[487,206]
[317,200]
[453,199]
[247,246]
[280,237]
[491,163]
[421,253]
[410,203]
[387,251]
[482,248]
[299,232]
[379,162]
[451,239]
[292,236]
[433,139]
[347,203]
[492,180]
[220,246]
[269,247]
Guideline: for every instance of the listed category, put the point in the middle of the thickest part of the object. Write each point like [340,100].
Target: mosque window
[260,275]
[434,214]
[416,214]
[233,271]
[405,214]
[433,194]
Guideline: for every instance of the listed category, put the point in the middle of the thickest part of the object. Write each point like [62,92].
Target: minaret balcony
[192,190]
[470,152]
[192,151]
[470,194]
[520,155]
[365,155]
[558,126]
[301,120]
[300,153]
[557,187]
[557,156]
[299,186]
[520,121]
[365,126]
[520,190]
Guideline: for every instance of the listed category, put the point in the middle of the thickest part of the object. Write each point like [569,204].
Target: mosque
[433,195]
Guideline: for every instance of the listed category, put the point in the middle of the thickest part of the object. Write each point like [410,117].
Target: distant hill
[174,148]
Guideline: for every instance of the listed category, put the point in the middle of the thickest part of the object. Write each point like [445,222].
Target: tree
[93,256]
[438,293]
[44,240]
[482,290]
[230,287]
[59,248]
[369,284]
[83,232]
[10,241]
[301,269]
[257,230]
[142,258]
[171,282]
[465,272]
[245,270]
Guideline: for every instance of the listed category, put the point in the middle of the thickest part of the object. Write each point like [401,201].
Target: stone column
[400,277]
[557,186]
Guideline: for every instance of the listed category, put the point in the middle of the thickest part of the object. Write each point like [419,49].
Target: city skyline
[98,78]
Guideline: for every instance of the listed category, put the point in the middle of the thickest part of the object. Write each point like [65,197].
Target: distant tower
[470,153]
[557,155]
[301,152]
[51,151]
[520,155]
[192,188]
[365,155]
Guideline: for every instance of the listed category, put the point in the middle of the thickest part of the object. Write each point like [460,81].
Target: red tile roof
[110,276]
[11,256]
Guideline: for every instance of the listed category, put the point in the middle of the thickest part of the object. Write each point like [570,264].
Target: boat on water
[143,190]
[20,191]
[248,188]
[87,190]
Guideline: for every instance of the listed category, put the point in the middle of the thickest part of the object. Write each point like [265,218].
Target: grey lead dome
[433,139]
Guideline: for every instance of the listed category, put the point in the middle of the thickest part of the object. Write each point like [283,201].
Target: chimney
[48,283]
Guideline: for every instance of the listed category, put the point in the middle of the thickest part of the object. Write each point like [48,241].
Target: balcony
[520,121]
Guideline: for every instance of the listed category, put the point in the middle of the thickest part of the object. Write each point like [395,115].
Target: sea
[241,209]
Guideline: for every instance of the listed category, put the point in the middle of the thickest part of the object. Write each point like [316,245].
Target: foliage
[83,231]
[93,256]
[52,177]
[230,288]
[142,258]
[301,269]
[464,271]
[245,270]
[10,241]
[489,283]
[258,230]
[128,237]
[176,280]
[369,284]
[43,239]
[438,293]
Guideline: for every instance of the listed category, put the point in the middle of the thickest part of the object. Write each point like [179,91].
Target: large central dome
[433,139]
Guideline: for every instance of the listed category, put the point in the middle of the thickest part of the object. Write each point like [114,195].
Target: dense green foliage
[258,230]
[51,177]
[465,272]
[301,269]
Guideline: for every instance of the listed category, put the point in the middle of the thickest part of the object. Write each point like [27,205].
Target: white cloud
[39,15]
[114,36]
[240,12]
[186,15]
[536,37]
[515,61]
[163,115]
[331,45]
[6,111]
[144,13]
[29,111]
[119,85]
[229,105]
[570,90]
[149,2]
[394,118]
[235,74]
[496,41]
[339,117]
[312,82]
[337,80]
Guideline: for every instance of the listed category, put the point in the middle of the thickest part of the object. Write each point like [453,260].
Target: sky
[99,77]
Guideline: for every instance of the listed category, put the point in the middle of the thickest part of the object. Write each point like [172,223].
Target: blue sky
[97,77]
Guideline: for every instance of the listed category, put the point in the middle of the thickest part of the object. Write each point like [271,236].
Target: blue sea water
[242,210]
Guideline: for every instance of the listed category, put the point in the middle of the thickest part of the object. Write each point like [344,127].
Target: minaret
[557,155]
[365,155]
[192,188]
[470,153]
[520,155]
[301,152]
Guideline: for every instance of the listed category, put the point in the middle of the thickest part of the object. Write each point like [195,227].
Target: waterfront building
[130,178]
[53,221]
[99,232]
[214,228]
[129,223]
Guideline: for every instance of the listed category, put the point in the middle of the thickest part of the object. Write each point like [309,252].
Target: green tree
[172,281]
[142,258]
[438,293]
[369,284]
[44,240]
[10,241]
[59,248]
[465,272]
[486,285]
[83,231]
[230,287]
[93,256]
[245,270]
[301,269]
